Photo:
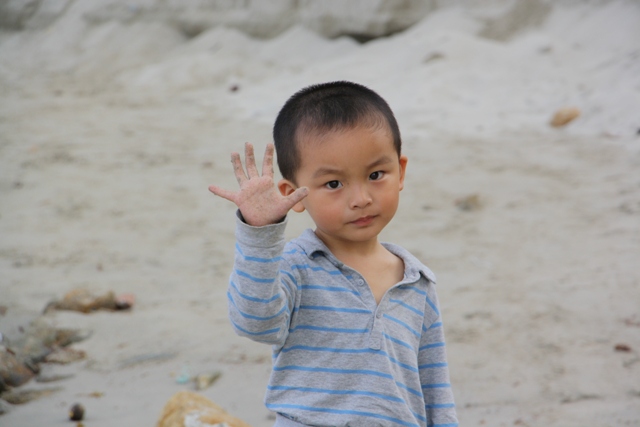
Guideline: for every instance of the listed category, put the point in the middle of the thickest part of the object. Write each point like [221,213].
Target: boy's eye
[376,175]
[333,184]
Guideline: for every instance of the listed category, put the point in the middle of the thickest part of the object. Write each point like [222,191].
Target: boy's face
[354,178]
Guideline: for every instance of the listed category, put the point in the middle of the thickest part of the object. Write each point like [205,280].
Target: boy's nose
[360,197]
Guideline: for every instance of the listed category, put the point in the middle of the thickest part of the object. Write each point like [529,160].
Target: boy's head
[341,141]
[321,108]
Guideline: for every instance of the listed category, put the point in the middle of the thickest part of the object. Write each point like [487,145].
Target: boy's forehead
[319,149]
[316,136]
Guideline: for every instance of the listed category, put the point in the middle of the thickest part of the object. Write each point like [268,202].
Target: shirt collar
[312,245]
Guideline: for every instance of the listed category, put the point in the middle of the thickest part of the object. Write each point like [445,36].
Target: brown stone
[187,407]
[564,116]
[64,355]
[85,301]
[469,203]
[13,372]
[18,397]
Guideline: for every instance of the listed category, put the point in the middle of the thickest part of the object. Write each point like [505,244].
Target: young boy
[354,323]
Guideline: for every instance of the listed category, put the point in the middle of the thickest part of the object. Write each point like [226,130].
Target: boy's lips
[365,220]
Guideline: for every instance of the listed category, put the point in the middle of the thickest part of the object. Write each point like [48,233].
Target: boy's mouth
[362,221]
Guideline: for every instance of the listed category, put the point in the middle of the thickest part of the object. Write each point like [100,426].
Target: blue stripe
[325,329]
[293,279]
[401,323]
[336,309]
[251,316]
[439,385]
[433,365]
[256,259]
[267,332]
[440,406]
[333,371]
[342,412]
[433,306]
[416,290]
[435,325]
[308,267]
[339,392]
[434,345]
[291,287]
[252,278]
[410,390]
[254,299]
[403,365]
[330,289]
[397,341]
[407,306]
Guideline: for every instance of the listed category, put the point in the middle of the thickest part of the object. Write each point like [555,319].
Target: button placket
[375,337]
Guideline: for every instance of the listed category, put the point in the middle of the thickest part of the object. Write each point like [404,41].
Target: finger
[297,195]
[267,162]
[250,161]
[237,168]
[221,192]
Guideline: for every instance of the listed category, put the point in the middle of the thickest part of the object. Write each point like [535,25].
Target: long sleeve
[262,288]
[434,370]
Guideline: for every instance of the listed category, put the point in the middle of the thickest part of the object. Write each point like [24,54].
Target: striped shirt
[339,358]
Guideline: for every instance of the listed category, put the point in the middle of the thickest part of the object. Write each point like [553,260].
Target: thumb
[297,195]
[221,192]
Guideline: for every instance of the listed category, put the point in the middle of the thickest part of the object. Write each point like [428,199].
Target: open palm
[258,199]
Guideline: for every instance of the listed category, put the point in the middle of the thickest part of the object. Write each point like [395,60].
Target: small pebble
[206,380]
[76,413]
[622,347]
[564,116]
[469,203]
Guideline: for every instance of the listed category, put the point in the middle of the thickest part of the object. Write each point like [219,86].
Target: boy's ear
[287,187]
[403,168]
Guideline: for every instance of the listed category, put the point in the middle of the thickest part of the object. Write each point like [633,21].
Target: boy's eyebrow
[382,160]
[325,171]
[331,171]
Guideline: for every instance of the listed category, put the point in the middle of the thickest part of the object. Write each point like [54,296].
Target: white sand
[110,133]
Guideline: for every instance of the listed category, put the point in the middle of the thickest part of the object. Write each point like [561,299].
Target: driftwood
[84,301]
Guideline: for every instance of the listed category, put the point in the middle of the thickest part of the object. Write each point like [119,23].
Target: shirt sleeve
[262,288]
[434,370]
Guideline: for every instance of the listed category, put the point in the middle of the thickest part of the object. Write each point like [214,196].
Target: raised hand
[258,199]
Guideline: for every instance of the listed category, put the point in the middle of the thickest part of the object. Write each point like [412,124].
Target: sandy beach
[115,119]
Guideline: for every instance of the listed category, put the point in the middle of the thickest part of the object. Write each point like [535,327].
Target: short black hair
[326,107]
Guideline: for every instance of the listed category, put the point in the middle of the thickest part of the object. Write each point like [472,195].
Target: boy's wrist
[241,218]
[266,236]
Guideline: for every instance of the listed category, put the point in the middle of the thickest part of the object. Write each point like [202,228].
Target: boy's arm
[262,286]
[261,291]
[434,369]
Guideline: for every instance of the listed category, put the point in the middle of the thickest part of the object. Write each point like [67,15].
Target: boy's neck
[380,268]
